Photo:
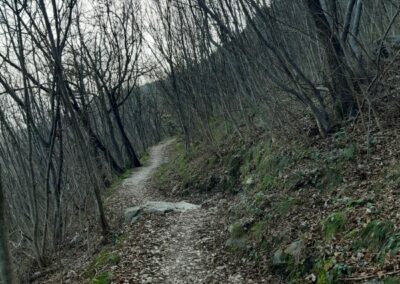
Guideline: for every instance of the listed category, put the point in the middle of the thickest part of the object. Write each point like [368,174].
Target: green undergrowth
[99,269]
[288,191]
[97,272]
[144,157]
[334,224]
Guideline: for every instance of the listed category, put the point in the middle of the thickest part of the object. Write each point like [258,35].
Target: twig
[366,277]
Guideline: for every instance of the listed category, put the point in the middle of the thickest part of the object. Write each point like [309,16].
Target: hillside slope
[316,211]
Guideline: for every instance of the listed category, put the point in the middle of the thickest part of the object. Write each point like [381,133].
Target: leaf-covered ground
[184,247]
[273,211]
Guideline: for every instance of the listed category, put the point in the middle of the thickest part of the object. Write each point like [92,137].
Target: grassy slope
[323,212]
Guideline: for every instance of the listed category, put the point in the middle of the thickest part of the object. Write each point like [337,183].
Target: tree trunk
[95,140]
[342,96]
[110,128]
[6,272]
[133,159]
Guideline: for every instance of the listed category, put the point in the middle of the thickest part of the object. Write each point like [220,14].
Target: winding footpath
[175,247]
[171,247]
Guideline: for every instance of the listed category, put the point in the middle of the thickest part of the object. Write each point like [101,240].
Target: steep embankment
[311,211]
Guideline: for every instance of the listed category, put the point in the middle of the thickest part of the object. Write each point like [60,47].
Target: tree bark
[6,272]
[133,159]
[342,96]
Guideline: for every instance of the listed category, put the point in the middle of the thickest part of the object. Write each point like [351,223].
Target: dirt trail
[136,183]
[176,247]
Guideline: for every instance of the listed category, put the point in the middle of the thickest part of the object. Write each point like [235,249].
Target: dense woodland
[86,88]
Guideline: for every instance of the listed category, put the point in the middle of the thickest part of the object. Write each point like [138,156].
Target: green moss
[334,224]
[328,271]
[104,258]
[103,278]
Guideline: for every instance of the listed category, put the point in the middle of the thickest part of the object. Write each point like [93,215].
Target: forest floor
[187,247]
[324,211]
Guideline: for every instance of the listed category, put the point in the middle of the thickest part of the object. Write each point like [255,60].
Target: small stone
[175,189]
[278,258]
[311,278]
[250,181]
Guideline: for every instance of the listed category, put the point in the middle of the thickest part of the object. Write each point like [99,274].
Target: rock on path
[157,207]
